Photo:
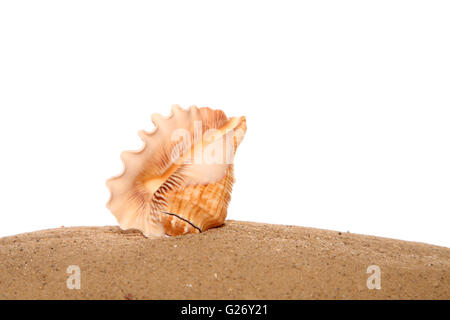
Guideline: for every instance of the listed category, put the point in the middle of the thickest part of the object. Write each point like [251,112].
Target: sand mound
[238,261]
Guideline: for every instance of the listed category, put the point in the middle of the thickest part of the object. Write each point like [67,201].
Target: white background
[347,104]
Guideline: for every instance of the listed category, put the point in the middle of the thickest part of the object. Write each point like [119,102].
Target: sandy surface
[238,261]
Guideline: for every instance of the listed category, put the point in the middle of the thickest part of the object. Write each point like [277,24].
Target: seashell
[181,180]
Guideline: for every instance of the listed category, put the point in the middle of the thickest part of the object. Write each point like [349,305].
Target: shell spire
[181,180]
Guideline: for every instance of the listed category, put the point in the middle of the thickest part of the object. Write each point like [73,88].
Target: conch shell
[181,180]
